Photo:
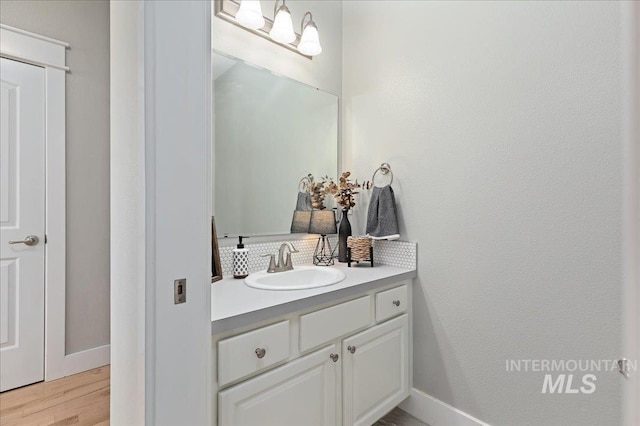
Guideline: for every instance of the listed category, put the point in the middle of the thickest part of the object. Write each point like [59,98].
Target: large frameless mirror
[270,132]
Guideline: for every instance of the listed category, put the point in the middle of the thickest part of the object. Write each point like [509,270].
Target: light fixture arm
[310,22]
[277,9]
[309,38]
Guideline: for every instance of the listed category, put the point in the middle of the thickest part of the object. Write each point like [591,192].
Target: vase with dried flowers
[344,192]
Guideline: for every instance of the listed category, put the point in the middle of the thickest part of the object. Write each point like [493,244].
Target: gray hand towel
[304,201]
[382,218]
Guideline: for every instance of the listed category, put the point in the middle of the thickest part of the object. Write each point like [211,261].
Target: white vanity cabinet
[301,392]
[342,363]
[375,371]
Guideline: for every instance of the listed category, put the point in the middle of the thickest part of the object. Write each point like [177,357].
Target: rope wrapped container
[359,249]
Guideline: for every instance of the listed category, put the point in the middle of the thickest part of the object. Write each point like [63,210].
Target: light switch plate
[180,291]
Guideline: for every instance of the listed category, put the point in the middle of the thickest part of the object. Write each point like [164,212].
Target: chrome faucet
[282,264]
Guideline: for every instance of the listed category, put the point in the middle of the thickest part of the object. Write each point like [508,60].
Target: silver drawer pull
[260,352]
[334,357]
[351,349]
[396,302]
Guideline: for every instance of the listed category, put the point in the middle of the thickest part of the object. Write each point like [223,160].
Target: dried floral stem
[344,191]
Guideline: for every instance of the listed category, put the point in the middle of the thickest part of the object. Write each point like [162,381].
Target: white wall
[162,145]
[502,123]
[85,26]
[631,229]
[178,106]
[128,233]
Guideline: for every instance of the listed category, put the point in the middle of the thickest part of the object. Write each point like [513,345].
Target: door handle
[31,240]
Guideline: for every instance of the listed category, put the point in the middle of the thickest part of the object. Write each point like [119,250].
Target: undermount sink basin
[300,278]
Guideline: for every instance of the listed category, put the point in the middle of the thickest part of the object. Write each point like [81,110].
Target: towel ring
[385,169]
[305,184]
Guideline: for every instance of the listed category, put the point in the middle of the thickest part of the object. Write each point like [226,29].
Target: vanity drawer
[241,355]
[330,323]
[390,303]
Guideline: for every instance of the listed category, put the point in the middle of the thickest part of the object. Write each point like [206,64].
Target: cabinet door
[375,371]
[301,392]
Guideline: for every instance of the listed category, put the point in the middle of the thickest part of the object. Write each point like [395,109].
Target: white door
[375,371]
[22,224]
[301,392]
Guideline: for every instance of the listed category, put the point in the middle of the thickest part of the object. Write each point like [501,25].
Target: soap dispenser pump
[240,260]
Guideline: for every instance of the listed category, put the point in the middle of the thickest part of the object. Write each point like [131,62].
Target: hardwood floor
[397,417]
[82,399]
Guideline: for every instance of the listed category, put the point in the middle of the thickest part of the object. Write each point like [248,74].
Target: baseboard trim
[87,360]
[434,412]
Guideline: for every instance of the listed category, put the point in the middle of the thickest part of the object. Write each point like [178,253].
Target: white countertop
[234,304]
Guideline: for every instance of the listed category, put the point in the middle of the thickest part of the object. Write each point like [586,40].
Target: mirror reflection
[270,132]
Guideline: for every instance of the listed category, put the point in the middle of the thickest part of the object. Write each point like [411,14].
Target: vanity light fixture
[310,40]
[250,14]
[247,14]
[282,30]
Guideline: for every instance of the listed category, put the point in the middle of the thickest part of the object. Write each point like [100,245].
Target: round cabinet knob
[351,349]
[396,302]
[260,352]
[334,357]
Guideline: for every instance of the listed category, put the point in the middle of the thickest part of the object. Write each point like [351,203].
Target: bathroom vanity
[335,355]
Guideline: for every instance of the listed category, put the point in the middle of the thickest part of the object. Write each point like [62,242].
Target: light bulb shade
[282,30]
[310,41]
[300,221]
[323,222]
[250,14]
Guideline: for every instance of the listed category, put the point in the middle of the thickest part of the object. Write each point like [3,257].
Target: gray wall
[85,25]
[502,124]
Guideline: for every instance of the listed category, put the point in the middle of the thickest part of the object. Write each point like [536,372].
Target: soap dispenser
[240,260]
